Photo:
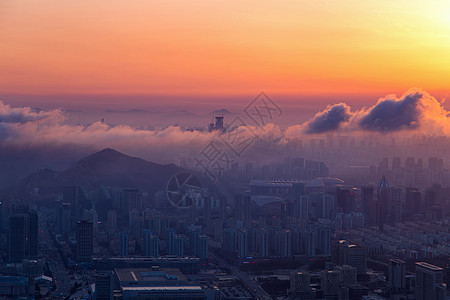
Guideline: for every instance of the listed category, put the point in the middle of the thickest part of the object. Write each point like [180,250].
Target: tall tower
[85,241]
[429,282]
[170,241]
[23,234]
[124,243]
[383,198]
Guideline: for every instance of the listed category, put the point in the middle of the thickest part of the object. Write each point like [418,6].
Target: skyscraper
[367,203]
[124,243]
[397,275]
[85,241]
[170,241]
[429,282]
[382,203]
[23,234]
[347,253]
[229,243]
[194,234]
[33,234]
[152,246]
[203,247]
[104,286]
[179,244]
[263,243]
[242,239]
[63,218]
[242,209]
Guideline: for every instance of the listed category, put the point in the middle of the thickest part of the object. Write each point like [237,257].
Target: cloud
[9,114]
[393,114]
[329,120]
[415,110]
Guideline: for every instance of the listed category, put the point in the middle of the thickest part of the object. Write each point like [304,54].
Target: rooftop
[429,266]
[148,275]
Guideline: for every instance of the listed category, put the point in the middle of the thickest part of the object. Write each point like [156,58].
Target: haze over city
[224,150]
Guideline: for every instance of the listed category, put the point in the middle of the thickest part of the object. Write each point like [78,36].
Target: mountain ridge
[107,167]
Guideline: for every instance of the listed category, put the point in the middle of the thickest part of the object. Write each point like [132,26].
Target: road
[60,273]
[248,282]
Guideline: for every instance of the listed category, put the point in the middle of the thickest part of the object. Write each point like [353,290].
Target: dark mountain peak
[107,167]
[106,155]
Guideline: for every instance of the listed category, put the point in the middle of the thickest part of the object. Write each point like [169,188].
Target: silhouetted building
[345,200]
[347,253]
[367,203]
[397,275]
[429,282]
[300,285]
[203,247]
[104,286]
[242,240]
[64,221]
[85,241]
[218,125]
[124,244]
[170,241]
[382,203]
[23,234]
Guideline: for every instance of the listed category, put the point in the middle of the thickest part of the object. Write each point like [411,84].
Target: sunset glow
[216,47]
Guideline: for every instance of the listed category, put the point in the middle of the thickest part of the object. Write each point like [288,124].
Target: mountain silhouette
[107,167]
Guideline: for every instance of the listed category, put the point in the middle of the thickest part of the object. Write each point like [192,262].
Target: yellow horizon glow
[202,47]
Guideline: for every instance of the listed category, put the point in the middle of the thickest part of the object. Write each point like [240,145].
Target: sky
[142,53]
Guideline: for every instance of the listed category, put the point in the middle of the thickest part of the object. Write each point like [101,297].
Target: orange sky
[217,47]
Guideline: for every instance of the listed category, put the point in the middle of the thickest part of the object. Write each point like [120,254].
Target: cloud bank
[31,139]
[330,119]
[414,110]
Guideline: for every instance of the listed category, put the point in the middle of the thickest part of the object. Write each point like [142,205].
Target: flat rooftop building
[160,283]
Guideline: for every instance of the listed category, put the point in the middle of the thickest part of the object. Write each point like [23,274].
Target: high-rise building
[229,244]
[170,241]
[242,208]
[382,203]
[347,253]
[203,247]
[85,241]
[1,216]
[147,239]
[413,201]
[397,275]
[64,222]
[33,234]
[396,163]
[23,234]
[348,275]
[242,237]
[367,203]
[104,286]
[130,199]
[111,219]
[17,237]
[194,235]
[152,247]
[300,285]
[263,243]
[429,282]
[286,243]
[345,200]
[179,245]
[329,283]
[124,243]
[71,194]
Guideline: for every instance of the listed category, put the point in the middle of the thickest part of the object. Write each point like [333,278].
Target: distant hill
[107,167]
[221,111]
